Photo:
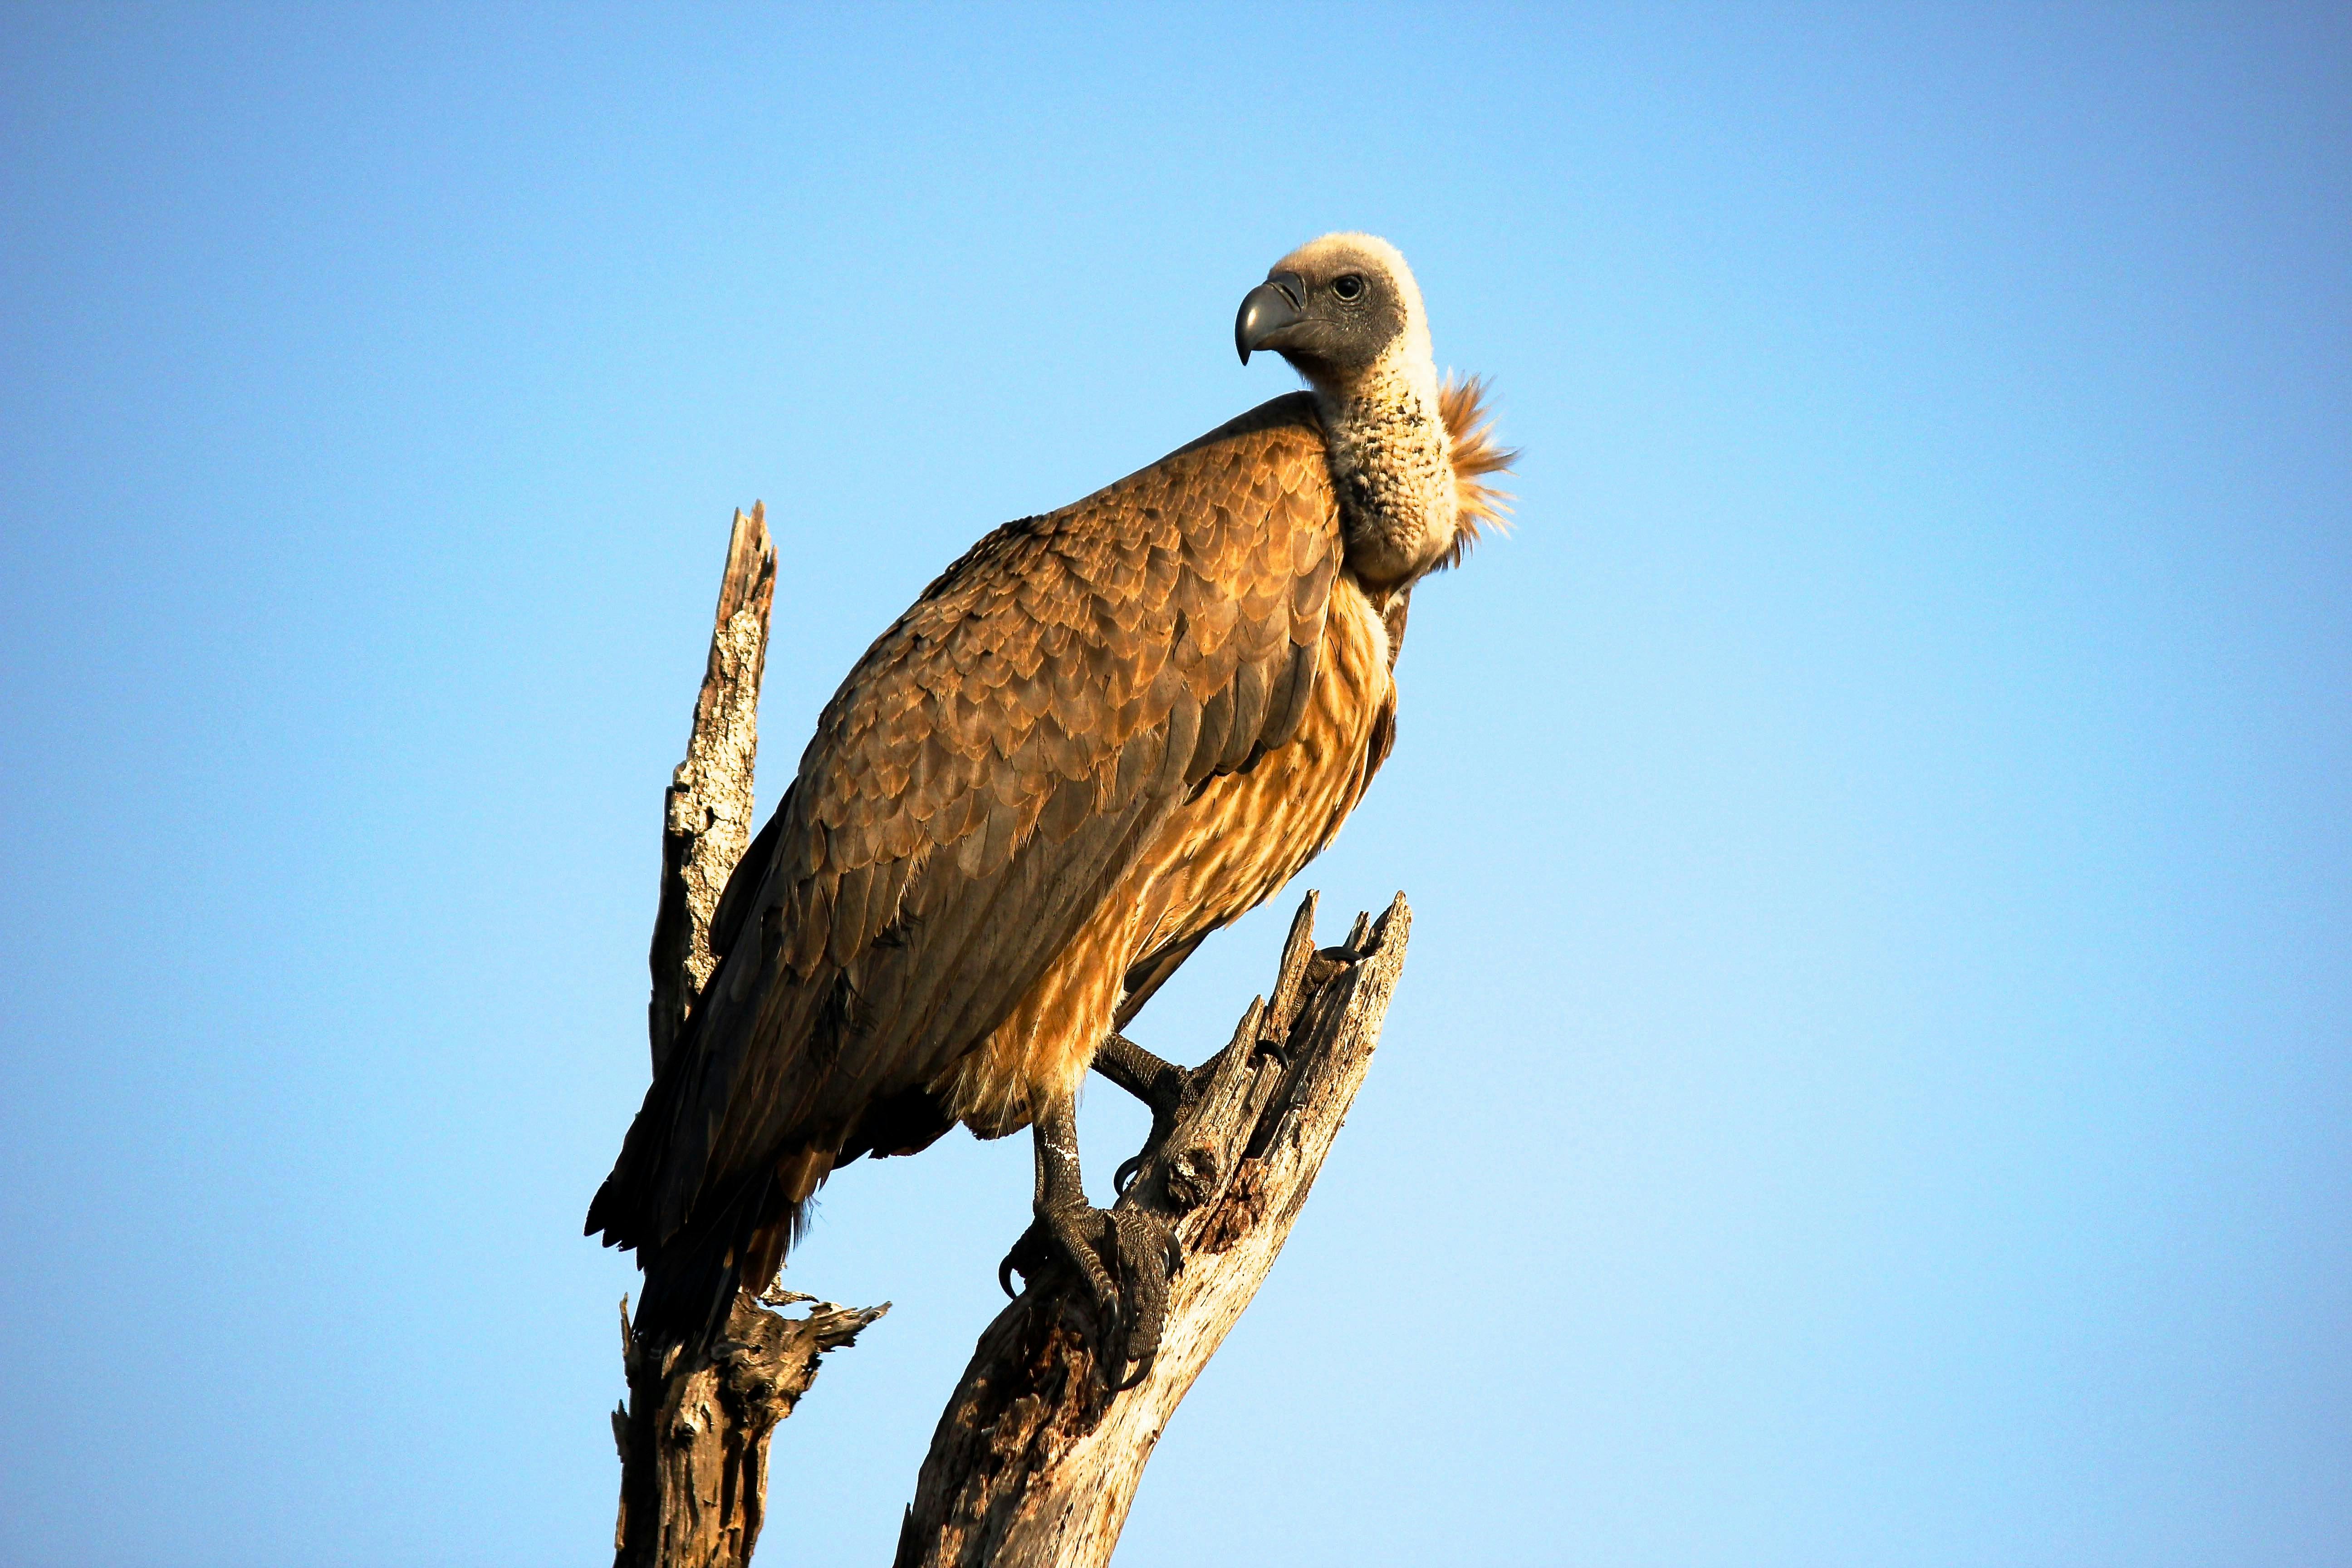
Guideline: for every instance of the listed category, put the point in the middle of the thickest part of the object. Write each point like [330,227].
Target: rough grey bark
[694,1435]
[1036,1459]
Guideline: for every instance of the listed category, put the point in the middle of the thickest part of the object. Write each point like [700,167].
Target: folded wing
[985,777]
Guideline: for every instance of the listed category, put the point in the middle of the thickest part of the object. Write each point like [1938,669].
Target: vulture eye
[1347,286]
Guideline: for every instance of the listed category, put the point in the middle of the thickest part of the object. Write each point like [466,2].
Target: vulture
[1100,735]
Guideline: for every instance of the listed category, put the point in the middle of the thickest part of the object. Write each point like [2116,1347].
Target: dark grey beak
[1276,303]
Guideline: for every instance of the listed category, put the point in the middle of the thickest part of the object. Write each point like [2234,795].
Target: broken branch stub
[694,1436]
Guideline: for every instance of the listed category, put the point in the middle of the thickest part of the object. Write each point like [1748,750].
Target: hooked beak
[1278,303]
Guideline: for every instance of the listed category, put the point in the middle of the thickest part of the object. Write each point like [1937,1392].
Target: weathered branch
[694,1435]
[1036,1459]
[707,819]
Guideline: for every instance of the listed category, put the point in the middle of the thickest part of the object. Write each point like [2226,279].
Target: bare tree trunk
[694,1436]
[1036,1459]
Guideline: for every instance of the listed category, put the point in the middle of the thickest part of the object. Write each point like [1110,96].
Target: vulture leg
[1124,1256]
[1168,1090]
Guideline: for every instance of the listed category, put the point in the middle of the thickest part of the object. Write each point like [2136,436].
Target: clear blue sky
[1873,1080]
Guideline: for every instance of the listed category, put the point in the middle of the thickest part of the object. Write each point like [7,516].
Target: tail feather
[692,1277]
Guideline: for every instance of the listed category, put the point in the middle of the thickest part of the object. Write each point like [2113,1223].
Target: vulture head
[1343,310]
[1409,455]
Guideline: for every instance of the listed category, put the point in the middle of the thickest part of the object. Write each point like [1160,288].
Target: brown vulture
[1102,735]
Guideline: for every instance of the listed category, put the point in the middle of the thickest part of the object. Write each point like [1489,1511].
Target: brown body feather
[1099,736]
[1221,854]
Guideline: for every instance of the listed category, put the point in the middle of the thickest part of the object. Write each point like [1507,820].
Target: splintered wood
[1036,1460]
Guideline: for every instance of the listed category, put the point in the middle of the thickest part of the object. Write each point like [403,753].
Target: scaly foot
[1123,1256]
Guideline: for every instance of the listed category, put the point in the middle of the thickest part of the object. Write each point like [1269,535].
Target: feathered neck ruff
[1470,433]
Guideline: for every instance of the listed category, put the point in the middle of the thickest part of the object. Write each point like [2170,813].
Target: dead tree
[1036,1459]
